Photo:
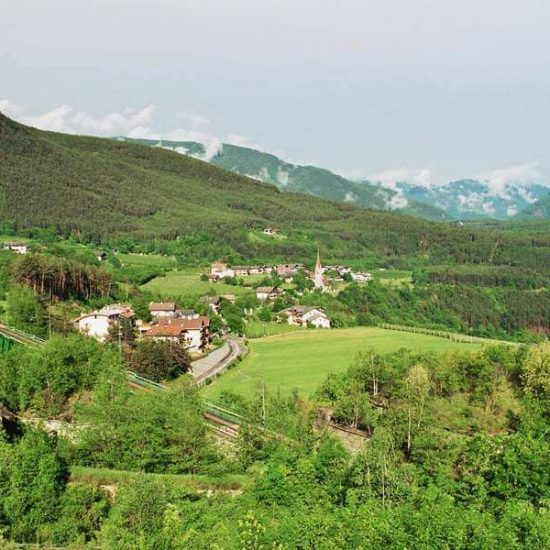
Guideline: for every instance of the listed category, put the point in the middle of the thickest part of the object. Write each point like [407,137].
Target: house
[265,293]
[219,270]
[272,231]
[193,333]
[98,323]
[163,310]
[241,270]
[286,269]
[19,248]
[306,315]
[361,277]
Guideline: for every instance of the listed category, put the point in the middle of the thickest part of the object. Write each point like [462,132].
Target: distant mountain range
[466,199]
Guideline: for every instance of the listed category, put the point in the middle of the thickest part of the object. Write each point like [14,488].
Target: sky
[423,90]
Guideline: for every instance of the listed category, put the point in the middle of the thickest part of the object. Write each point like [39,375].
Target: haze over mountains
[467,199]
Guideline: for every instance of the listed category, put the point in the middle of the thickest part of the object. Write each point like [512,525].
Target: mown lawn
[301,360]
[258,329]
[147,260]
[187,282]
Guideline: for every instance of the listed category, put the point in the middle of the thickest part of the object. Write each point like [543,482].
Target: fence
[453,336]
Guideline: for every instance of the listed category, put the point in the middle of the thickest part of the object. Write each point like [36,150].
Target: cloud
[350,197]
[283,177]
[500,181]
[422,177]
[397,201]
[129,122]
[11,109]
[511,211]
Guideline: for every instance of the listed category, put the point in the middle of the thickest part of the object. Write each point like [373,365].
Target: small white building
[220,270]
[361,277]
[98,323]
[166,310]
[18,248]
[272,231]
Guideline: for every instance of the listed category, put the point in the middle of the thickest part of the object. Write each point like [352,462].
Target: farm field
[258,329]
[147,260]
[186,282]
[301,360]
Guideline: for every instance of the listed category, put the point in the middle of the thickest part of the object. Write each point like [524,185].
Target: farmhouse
[306,315]
[194,333]
[219,270]
[98,323]
[286,269]
[19,248]
[265,293]
[163,310]
[271,231]
[241,270]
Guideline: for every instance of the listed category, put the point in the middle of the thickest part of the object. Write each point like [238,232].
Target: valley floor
[300,360]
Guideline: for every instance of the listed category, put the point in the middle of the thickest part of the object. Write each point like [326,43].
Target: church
[320,282]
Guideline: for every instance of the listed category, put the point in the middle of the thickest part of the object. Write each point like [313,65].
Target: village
[167,321]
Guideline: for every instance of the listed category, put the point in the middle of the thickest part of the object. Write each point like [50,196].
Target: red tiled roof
[175,327]
[162,306]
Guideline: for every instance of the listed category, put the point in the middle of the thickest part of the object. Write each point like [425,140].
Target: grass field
[257,329]
[186,282]
[147,260]
[301,360]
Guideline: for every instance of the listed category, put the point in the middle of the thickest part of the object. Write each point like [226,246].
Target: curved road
[217,361]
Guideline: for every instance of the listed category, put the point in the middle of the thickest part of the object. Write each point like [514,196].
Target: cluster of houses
[168,324]
[176,325]
[221,270]
[18,248]
[343,271]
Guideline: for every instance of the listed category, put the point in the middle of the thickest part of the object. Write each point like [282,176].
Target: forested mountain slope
[110,190]
[296,178]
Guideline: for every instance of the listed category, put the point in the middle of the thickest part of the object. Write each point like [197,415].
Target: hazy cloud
[390,178]
[498,181]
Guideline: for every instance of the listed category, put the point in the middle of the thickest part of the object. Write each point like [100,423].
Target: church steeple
[318,274]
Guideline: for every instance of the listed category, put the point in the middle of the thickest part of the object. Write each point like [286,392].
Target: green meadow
[300,360]
[187,283]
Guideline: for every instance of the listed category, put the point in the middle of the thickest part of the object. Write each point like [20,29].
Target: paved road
[217,361]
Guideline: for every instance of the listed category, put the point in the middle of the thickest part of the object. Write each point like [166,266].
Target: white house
[194,333]
[98,323]
[219,270]
[19,248]
[271,231]
[306,315]
[165,310]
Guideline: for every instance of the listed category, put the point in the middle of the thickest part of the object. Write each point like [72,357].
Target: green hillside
[108,190]
[539,210]
[295,178]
